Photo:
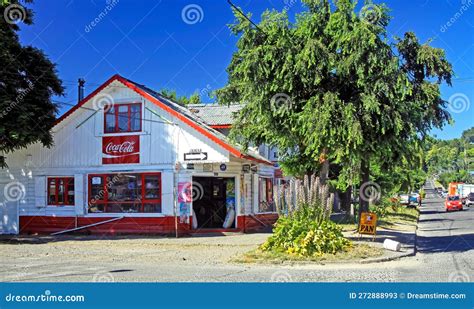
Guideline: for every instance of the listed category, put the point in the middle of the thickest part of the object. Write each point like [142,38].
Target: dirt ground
[44,258]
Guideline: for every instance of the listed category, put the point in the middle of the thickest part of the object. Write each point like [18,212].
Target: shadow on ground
[453,243]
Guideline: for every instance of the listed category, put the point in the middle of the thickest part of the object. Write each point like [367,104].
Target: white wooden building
[128,160]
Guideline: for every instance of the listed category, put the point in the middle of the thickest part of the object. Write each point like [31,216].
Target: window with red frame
[125,193]
[60,191]
[123,118]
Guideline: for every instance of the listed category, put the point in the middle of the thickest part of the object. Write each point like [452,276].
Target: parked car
[453,202]
[414,197]
[404,199]
[444,194]
[470,199]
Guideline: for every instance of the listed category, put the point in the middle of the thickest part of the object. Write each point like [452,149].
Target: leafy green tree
[334,87]
[28,80]
[195,98]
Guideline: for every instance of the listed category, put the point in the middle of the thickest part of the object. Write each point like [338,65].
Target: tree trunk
[346,197]
[365,178]
[324,173]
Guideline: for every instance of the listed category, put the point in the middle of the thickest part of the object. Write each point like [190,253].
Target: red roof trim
[221,126]
[90,96]
[163,106]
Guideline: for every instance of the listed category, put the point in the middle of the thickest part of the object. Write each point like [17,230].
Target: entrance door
[8,212]
[210,207]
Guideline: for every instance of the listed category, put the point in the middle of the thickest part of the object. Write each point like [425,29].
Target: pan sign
[121,149]
[368,223]
[195,156]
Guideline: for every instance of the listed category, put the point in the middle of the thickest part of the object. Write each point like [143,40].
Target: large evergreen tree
[28,80]
[334,87]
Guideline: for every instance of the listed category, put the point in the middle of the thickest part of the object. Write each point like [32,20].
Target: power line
[96,110]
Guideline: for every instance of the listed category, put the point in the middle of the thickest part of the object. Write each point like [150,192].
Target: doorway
[216,197]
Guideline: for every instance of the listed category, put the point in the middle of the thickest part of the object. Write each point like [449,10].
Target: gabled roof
[176,110]
[215,115]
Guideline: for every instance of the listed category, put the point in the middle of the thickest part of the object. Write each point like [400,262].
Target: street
[445,252]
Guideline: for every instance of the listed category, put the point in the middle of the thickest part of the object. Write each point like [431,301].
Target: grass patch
[402,215]
[354,253]
[399,216]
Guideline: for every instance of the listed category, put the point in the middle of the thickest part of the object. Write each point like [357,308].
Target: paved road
[445,253]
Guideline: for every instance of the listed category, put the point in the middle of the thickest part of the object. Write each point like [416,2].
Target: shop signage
[207,167]
[121,149]
[368,223]
[195,156]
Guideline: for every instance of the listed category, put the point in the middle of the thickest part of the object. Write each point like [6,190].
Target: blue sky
[150,42]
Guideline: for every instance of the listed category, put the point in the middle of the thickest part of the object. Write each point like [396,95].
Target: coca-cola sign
[121,149]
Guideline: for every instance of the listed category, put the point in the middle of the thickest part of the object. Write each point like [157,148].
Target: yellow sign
[368,223]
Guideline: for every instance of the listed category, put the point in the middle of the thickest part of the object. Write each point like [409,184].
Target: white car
[404,199]
[470,199]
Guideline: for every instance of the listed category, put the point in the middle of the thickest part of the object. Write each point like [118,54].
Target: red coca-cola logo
[121,149]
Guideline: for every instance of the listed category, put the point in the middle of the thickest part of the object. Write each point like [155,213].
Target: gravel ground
[445,253]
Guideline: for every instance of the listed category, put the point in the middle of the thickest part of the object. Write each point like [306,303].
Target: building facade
[128,160]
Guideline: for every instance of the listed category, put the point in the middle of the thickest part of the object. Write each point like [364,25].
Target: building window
[125,193]
[265,195]
[60,191]
[123,118]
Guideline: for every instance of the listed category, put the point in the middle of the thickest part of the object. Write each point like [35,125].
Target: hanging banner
[121,149]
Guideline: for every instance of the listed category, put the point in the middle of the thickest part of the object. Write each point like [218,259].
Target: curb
[387,259]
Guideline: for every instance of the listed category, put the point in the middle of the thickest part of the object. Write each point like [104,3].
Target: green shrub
[307,232]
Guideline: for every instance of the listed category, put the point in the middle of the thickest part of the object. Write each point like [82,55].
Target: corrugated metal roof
[214,114]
